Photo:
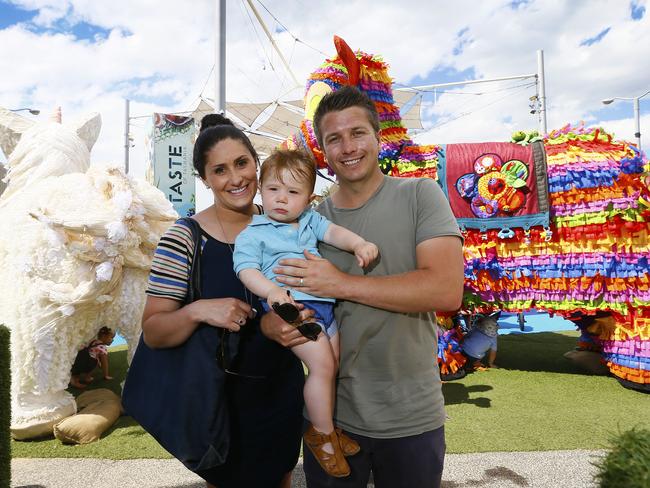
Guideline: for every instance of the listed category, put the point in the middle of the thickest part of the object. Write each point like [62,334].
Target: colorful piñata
[567,233]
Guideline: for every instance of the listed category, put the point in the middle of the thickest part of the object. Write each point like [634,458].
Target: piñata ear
[12,127]
[349,60]
[87,128]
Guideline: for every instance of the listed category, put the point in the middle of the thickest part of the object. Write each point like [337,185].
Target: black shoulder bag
[177,394]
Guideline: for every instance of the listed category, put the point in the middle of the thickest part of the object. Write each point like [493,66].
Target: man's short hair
[346,97]
[298,163]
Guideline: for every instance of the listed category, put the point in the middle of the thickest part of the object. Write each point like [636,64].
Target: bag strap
[194,274]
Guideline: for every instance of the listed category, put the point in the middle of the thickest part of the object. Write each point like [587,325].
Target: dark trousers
[405,462]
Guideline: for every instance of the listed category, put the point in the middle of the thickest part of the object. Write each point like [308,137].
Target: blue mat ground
[534,322]
[508,324]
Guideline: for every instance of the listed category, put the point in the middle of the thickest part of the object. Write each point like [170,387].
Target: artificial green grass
[124,440]
[5,408]
[537,400]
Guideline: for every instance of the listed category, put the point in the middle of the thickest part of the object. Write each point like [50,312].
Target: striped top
[171,263]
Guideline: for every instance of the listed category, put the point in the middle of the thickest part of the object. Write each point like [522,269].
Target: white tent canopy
[268,124]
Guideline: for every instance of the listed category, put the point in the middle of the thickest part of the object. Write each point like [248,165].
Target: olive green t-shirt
[388,382]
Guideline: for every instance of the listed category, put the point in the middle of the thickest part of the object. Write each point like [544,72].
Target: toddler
[288,227]
[481,340]
[93,355]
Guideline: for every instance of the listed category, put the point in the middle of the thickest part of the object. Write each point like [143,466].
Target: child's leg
[74,381]
[334,344]
[103,361]
[336,348]
[349,446]
[492,355]
[321,438]
[319,385]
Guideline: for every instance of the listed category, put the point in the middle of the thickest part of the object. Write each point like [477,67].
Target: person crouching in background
[480,341]
[93,355]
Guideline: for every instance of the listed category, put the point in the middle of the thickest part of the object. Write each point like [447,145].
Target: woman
[265,380]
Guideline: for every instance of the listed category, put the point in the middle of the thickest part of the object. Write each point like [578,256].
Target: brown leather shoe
[349,446]
[333,464]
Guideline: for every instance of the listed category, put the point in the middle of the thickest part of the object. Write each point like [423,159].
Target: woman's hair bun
[212,120]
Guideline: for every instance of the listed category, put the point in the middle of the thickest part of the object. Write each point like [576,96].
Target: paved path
[565,469]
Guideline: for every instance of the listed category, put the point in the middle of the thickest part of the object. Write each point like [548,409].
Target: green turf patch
[537,400]
[124,440]
[5,408]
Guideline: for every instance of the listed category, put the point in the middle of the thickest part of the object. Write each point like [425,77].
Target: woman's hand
[228,313]
[283,333]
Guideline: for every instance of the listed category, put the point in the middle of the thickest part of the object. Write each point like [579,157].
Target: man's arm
[435,284]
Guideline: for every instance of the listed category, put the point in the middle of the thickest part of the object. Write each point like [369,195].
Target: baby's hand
[366,253]
[279,295]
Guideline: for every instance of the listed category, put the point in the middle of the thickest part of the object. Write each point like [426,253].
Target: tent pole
[220,57]
[268,34]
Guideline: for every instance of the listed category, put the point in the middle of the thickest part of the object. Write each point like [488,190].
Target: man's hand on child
[366,253]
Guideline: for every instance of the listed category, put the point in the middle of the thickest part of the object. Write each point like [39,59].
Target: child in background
[93,355]
[481,339]
[287,228]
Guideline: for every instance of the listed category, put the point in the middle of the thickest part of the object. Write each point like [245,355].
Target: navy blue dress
[265,413]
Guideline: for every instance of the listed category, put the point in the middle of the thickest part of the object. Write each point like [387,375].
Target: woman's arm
[165,323]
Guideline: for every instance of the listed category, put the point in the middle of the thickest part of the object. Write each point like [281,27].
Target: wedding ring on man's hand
[301,281]
[241,321]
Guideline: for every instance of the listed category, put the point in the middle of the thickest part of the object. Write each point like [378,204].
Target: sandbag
[588,360]
[98,411]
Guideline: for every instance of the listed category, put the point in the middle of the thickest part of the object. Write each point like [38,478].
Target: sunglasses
[225,357]
[289,313]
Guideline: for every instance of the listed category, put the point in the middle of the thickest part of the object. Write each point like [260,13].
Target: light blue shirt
[476,343]
[264,242]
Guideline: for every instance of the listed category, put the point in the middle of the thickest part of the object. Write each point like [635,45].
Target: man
[389,396]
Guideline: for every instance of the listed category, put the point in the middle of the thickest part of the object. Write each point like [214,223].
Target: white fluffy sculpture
[76,244]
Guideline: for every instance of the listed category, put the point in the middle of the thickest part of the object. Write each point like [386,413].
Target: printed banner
[171,141]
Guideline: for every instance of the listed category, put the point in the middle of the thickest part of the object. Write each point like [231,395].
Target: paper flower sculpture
[495,189]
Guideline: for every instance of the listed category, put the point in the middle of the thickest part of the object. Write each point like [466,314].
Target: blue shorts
[323,315]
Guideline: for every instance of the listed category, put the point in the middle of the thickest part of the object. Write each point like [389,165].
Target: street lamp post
[32,111]
[637,114]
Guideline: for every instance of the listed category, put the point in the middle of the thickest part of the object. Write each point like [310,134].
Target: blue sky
[12,14]
[90,56]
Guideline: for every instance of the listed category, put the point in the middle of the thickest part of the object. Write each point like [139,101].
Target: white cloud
[159,55]
[624,129]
